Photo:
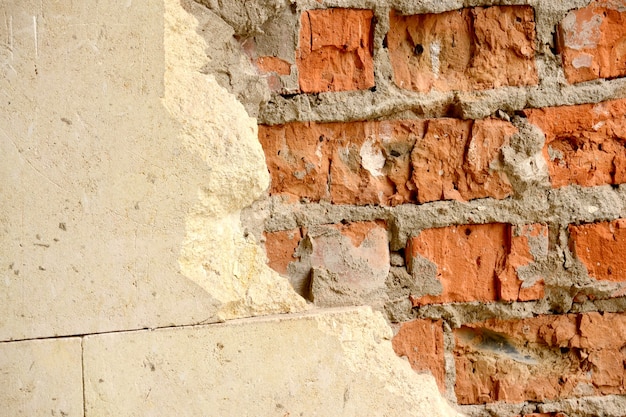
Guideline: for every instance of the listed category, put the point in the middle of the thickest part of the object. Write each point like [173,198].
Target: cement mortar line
[561,207]
[456,315]
[611,406]
[395,103]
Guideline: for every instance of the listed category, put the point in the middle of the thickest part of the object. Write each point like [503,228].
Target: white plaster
[581,34]
[372,158]
[582,61]
[435,50]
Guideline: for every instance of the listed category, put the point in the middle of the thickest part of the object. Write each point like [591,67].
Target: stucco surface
[324,363]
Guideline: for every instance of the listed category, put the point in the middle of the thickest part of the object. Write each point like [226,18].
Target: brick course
[477,262]
[592,42]
[468,49]
[545,357]
[585,143]
[335,50]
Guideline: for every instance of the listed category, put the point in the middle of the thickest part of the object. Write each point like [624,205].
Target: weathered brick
[281,247]
[540,358]
[421,342]
[273,64]
[335,50]
[592,41]
[468,49]
[601,247]
[388,162]
[370,162]
[297,159]
[484,262]
[585,143]
[453,161]
[349,263]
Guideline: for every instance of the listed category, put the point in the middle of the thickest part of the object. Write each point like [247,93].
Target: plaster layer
[41,377]
[330,362]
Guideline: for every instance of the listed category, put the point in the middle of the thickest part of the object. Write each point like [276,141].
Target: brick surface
[585,143]
[467,49]
[335,50]
[479,262]
[281,247]
[421,342]
[453,160]
[592,41]
[540,358]
[297,159]
[389,162]
[349,263]
[601,247]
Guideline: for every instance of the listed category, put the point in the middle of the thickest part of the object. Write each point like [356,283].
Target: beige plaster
[117,213]
[41,378]
[323,363]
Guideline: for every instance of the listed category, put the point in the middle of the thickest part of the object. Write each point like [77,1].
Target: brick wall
[461,170]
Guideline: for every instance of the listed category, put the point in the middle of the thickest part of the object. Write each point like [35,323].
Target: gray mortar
[607,406]
[226,60]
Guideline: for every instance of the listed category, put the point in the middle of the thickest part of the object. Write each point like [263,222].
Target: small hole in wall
[518,19]
[418,50]
[468,231]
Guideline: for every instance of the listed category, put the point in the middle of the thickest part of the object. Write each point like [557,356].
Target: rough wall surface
[490,147]
[126,165]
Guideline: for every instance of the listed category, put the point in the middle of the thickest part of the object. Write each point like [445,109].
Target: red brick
[601,247]
[335,50]
[453,160]
[273,64]
[585,143]
[421,342]
[478,262]
[280,248]
[296,156]
[389,162]
[540,358]
[468,49]
[370,162]
[592,41]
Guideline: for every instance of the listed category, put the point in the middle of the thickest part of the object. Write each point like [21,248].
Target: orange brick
[585,143]
[468,49]
[479,262]
[540,358]
[421,342]
[592,41]
[453,160]
[297,158]
[280,248]
[601,247]
[273,64]
[388,162]
[335,50]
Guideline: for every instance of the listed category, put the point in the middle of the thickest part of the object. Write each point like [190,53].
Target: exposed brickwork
[421,342]
[592,41]
[388,162]
[536,359]
[434,208]
[478,262]
[601,248]
[453,160]
[584,144]
[335,50]
[477,48]
[281,247]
